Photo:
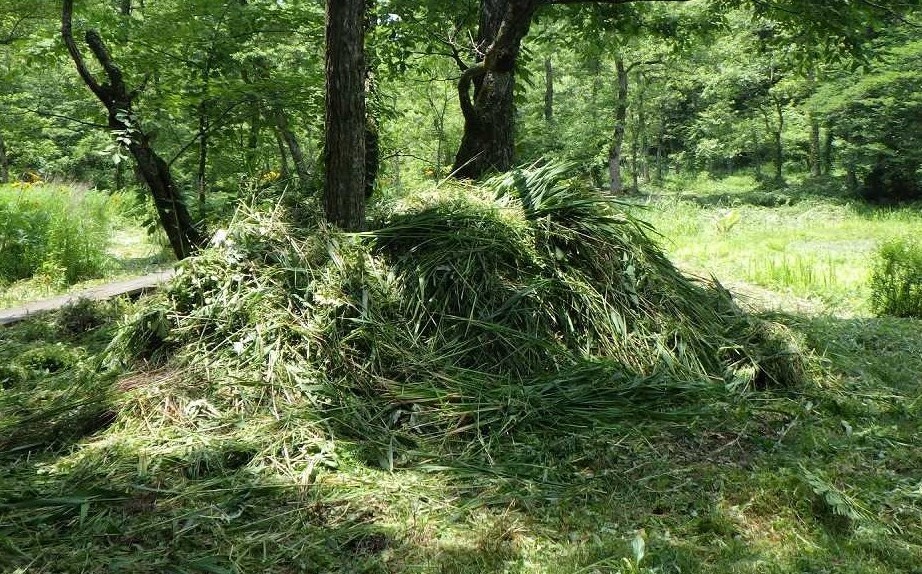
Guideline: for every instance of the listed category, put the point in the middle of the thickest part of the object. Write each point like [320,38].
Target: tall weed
[896,279]
[52,230]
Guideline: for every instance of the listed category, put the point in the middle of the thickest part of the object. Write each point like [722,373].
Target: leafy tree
[878,119]
[119,101]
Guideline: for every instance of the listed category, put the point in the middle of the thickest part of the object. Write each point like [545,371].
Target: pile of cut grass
[458,320]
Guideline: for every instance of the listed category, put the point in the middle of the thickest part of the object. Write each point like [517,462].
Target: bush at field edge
[52,230]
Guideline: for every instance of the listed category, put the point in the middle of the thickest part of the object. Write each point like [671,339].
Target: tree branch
[46,114]
[12,36]
[113,73]
[643,63]
[464,90]
[67,33]
[455,52]
[217,123]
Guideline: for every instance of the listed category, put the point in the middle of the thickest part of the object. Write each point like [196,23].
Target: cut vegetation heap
[460,317]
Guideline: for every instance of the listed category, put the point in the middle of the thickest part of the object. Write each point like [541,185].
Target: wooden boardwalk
[102,293]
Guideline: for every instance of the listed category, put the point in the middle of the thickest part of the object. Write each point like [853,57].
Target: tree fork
[185,238]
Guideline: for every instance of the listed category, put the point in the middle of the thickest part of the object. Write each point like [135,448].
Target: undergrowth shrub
[896,279]
[531,303]
[53,230]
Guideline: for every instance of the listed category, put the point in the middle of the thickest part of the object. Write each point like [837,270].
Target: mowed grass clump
[52,230]
[458,319]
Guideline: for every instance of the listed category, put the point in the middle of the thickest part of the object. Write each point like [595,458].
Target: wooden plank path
[132,286]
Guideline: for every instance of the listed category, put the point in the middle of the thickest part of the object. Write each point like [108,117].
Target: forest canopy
[229,92]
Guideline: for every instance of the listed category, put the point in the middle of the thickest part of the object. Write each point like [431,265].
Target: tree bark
[201,178]
[635,161]
[185,238]
[776,130]
[778,148]
[642,134]
[828,151]
[617,141]
[851,178]
[344,151]
[284,172]
[120,176]
[4,162]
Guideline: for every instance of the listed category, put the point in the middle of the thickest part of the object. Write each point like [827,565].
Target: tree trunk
[779,146]
[252,140]
[284,172]
[294,148]
[4,162]
[851,178]
[828,151]
[201,178]
[778,155]
[185,238]
[642,133]
[635,163]
[816,168]
[344,150]
[617,141]
[548,90]
[488,141]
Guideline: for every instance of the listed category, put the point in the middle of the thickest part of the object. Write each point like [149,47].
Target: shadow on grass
[723,492]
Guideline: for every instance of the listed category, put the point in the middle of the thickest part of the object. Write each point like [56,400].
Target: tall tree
[185,238]
[344,152]
[614,154]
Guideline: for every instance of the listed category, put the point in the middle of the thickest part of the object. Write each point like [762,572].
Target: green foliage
[837,501]
[896,279]
[52,230]
[877,115]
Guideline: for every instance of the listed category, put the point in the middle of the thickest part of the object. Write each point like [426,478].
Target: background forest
[232,96]
[462,286]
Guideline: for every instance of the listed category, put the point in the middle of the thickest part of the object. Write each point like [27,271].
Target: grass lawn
[794,243]
[160,475]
